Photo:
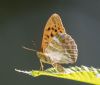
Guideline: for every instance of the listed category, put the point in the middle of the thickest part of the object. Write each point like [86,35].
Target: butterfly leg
[41,67]
[58,67]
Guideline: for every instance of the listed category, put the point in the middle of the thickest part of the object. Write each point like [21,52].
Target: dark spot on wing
[60,31]
[58,28]
[48,29]
[52,28]
[52,35]
[47,36]
[55,30]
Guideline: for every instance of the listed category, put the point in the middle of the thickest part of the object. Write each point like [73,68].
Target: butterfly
[57,47]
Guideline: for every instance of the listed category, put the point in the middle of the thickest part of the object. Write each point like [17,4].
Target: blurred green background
[22,22]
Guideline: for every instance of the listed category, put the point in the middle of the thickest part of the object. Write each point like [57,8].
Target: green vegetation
[83,74]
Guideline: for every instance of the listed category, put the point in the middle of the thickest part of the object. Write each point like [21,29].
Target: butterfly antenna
[28,49]
[34,44]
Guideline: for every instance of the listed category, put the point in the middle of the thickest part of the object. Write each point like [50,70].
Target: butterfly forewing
[53,26]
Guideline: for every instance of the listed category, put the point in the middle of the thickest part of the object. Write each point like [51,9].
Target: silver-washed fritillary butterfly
[57,47]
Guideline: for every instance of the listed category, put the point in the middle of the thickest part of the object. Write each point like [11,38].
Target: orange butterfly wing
[53,26]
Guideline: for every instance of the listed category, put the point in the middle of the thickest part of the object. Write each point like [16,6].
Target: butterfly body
[57,46]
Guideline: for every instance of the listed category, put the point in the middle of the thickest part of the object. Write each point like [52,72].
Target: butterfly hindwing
[60,49]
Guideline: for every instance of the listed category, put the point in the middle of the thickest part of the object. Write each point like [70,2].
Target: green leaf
[83,74]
